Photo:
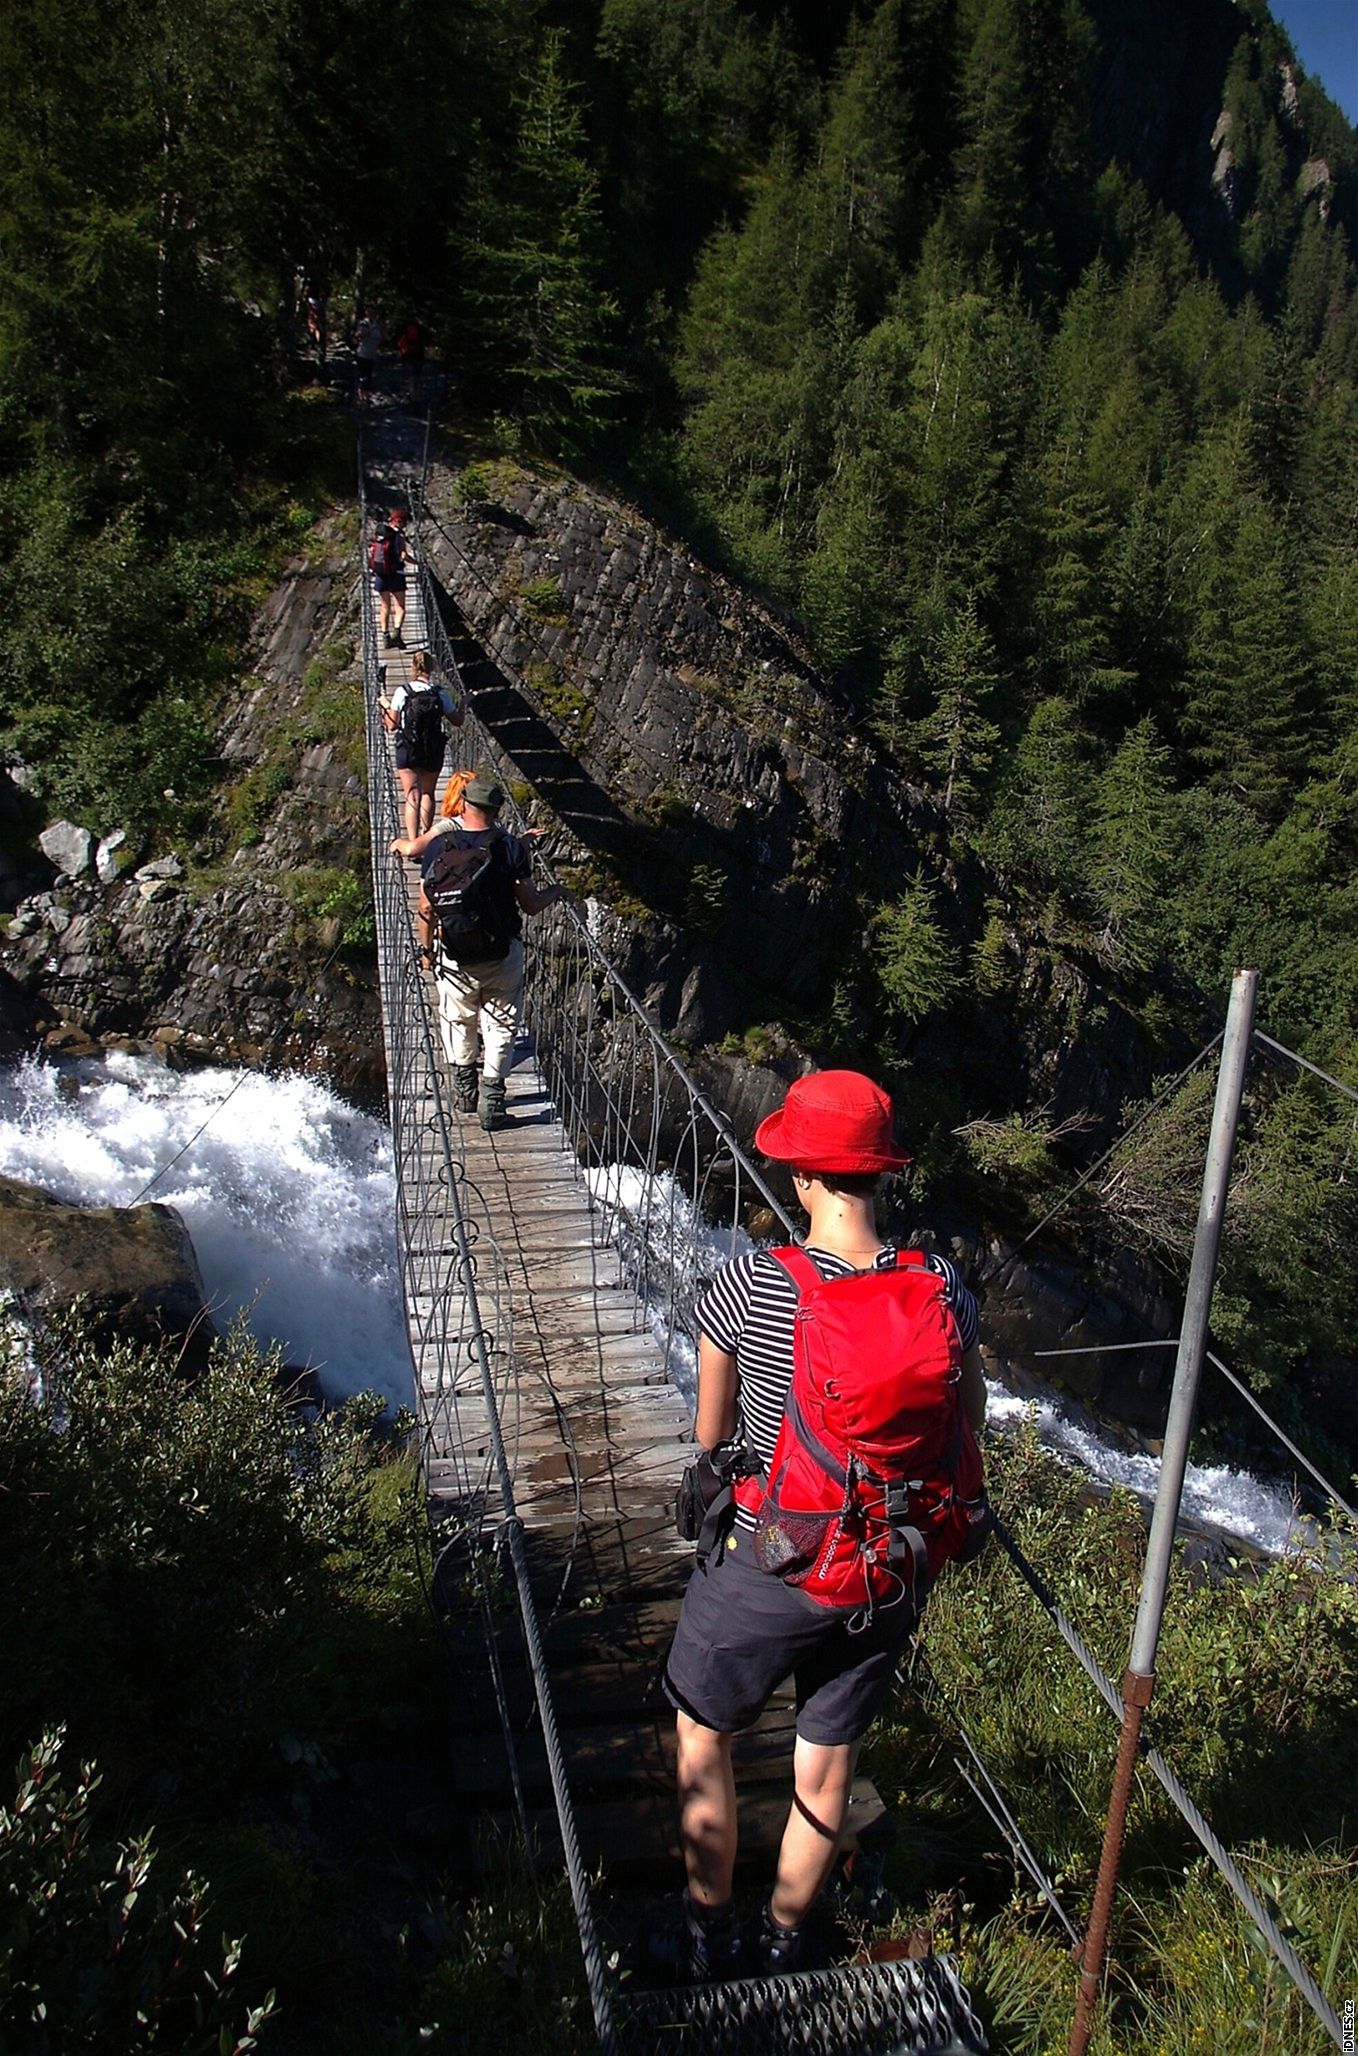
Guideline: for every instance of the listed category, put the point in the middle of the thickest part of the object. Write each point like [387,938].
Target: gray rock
[113,856]
[67,846]
[155,888]
[160,867]
[23,776]
[134,1267]
[58,919]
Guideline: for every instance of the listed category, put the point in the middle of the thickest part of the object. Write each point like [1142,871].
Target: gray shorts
[741,1632]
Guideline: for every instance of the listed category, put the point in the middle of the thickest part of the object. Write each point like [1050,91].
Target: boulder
[134,1268]
[159,867]
[67,847]
[112,857]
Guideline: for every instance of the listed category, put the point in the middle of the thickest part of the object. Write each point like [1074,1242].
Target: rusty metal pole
[1138,1681]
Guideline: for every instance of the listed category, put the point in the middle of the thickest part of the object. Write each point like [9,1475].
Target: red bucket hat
[832,1121]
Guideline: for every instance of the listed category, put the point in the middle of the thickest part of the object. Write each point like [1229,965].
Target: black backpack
[422,725]
[472,895]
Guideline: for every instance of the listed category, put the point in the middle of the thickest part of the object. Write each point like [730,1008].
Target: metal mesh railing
[457,1308]
[668,1186]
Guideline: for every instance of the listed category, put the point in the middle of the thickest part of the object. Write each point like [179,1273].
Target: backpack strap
[798,1266]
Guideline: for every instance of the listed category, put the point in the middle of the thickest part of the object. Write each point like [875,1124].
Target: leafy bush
[177,1552]
[99,1948]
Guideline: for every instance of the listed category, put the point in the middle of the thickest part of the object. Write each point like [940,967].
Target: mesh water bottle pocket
[786,1544]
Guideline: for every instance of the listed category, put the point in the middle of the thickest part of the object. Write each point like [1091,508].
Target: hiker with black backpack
[388,554]
[475,888]
[415,714]
[839,1393]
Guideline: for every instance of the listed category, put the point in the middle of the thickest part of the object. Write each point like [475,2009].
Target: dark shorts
[366,368]
[407,760]
[389,582]
[742,1632]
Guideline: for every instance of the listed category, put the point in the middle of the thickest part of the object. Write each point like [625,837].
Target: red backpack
[876,1480]
[385,553]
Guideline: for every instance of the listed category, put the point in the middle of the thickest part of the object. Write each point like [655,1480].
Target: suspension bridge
[550,1269]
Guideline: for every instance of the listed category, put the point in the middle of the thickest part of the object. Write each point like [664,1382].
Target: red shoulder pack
[876,1480]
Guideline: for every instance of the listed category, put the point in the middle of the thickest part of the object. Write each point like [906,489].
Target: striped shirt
[748,1310]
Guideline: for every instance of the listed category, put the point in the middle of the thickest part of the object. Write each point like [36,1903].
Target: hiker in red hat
[881,1394]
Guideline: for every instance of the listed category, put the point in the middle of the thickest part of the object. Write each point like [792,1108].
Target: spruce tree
[1131,852]
[956,740]
[537,317]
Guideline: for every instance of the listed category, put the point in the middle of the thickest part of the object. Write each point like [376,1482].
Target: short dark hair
[853,1184]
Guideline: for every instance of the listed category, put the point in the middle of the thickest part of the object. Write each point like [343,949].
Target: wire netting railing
[457,1308]
[668,1184]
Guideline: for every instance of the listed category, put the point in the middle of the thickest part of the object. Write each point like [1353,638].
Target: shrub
[176,1589]
[100,1949]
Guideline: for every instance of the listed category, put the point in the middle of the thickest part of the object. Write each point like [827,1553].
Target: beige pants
[484,996]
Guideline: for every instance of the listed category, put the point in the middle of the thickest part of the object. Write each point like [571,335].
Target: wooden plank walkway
[596,1436]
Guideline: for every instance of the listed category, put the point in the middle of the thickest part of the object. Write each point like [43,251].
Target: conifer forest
[1010,346]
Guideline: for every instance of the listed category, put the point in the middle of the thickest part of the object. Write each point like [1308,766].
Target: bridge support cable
[1230,1870]
[413,1075]
[673,1189]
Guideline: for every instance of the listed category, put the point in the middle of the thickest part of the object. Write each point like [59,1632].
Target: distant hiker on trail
[475,889]
[415,715]
[313,308]
[367,350]
[840,1472]
[387,556]
[410,348]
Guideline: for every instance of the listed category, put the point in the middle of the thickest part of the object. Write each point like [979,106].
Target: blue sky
[1324,34]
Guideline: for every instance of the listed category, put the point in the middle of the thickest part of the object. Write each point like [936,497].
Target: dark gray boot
[491,1104]
[464,1088]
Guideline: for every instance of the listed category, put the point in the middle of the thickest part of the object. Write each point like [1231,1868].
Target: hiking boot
[464,1088]
[389,640]
[696,1946]
[772,1948]
[490,1105]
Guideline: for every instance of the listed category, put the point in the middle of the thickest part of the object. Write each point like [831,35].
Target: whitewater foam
[288,1193]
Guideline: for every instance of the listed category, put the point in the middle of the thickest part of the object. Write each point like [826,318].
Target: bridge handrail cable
[411,1050]
[578,1003]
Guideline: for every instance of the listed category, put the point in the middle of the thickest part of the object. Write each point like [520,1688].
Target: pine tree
[537,315]
[759,425]
[1250,687]
[1037,829]
[1131,852]
[956,740]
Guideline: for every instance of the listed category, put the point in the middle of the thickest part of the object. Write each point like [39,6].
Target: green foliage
[705,898]
[915,963]
[339,900]
[536,316]
[541,597]
[100,1948]
[178,1549]
[1249,1709]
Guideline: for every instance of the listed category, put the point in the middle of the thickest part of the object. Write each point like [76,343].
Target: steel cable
[1226,1864]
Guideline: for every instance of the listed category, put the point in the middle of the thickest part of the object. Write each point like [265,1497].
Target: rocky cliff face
[230,952]
[680,732]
